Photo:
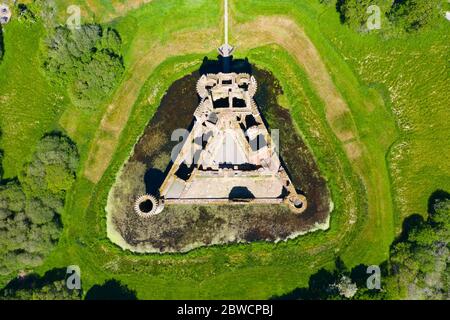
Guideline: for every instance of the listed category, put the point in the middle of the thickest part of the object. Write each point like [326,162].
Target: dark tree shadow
[340,265]
[296,294]
[339,9]
[410,223]
[318,285]
[317,288]
[111,290]
[437,196]
[1,166]
[34,281]
[359,275]
[61,135]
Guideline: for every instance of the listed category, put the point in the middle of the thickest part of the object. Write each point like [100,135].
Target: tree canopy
[52,168]
[30,206]
[87,60]
[408,15]
[419,264]
[51,286]
[56,290]
[354,12]
[412,15]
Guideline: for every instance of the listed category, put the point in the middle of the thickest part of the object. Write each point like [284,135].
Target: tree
[86,60]
[51,171]
[419,263]
[412,15]
[354,13]
[51,286]
[325,2]
[30,206]
[346,287]
[54,291]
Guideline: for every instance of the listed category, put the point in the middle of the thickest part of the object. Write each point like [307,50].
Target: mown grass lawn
[395,88]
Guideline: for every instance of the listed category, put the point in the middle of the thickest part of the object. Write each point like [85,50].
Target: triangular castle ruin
[229,156]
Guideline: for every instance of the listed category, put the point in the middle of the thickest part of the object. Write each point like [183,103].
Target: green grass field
[29,105]
[395,89]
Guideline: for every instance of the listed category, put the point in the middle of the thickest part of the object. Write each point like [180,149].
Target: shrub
[86,60]
[51,286]
[412,15]
[30,207]
[52,169]
[56,290]
[354,12]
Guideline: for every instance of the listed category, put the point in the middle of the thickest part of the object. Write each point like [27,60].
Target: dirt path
[265,30]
